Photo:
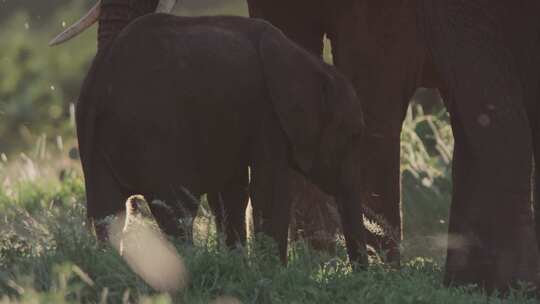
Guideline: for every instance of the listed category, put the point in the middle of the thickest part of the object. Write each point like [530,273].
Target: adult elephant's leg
[491,222]
[536,176]
[376,47]
[382,176]
[530,71]
[533,111]
[301,20]
[229,208]
[534,119]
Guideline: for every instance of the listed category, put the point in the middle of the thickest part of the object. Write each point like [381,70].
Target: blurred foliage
[38,83]
[37,11]
[426,153]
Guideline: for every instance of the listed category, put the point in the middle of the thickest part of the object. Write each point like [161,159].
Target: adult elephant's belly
[187,123]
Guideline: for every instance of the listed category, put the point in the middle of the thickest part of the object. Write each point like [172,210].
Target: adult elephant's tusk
[165,6]
[80,26]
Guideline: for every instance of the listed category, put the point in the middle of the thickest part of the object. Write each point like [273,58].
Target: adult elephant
[482,55]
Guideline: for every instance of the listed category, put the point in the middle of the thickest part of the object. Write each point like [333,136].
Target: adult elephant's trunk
[113,16]
[117,14]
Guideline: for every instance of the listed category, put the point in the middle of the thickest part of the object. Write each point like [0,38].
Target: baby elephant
[190,103]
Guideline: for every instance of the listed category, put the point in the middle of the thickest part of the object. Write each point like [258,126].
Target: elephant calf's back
[194,92]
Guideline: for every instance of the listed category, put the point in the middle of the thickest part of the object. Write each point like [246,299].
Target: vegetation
[38,85]
[47,255]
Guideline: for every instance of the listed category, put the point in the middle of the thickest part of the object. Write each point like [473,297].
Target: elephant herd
[175,103]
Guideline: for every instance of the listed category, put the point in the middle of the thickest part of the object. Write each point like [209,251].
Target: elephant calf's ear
[296,84]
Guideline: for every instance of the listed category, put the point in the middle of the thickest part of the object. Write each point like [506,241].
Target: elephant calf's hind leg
[104,199]
[229,208]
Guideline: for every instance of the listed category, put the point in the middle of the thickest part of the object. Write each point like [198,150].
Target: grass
[47,254]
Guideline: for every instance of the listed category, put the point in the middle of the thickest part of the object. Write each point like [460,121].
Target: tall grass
[47,254]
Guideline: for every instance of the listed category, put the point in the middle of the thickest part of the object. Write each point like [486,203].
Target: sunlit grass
[47,254]
[52,257]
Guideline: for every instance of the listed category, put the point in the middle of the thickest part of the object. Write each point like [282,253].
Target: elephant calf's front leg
[270,187]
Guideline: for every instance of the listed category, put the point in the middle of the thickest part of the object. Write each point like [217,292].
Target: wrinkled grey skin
[176,103]
[483,56]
